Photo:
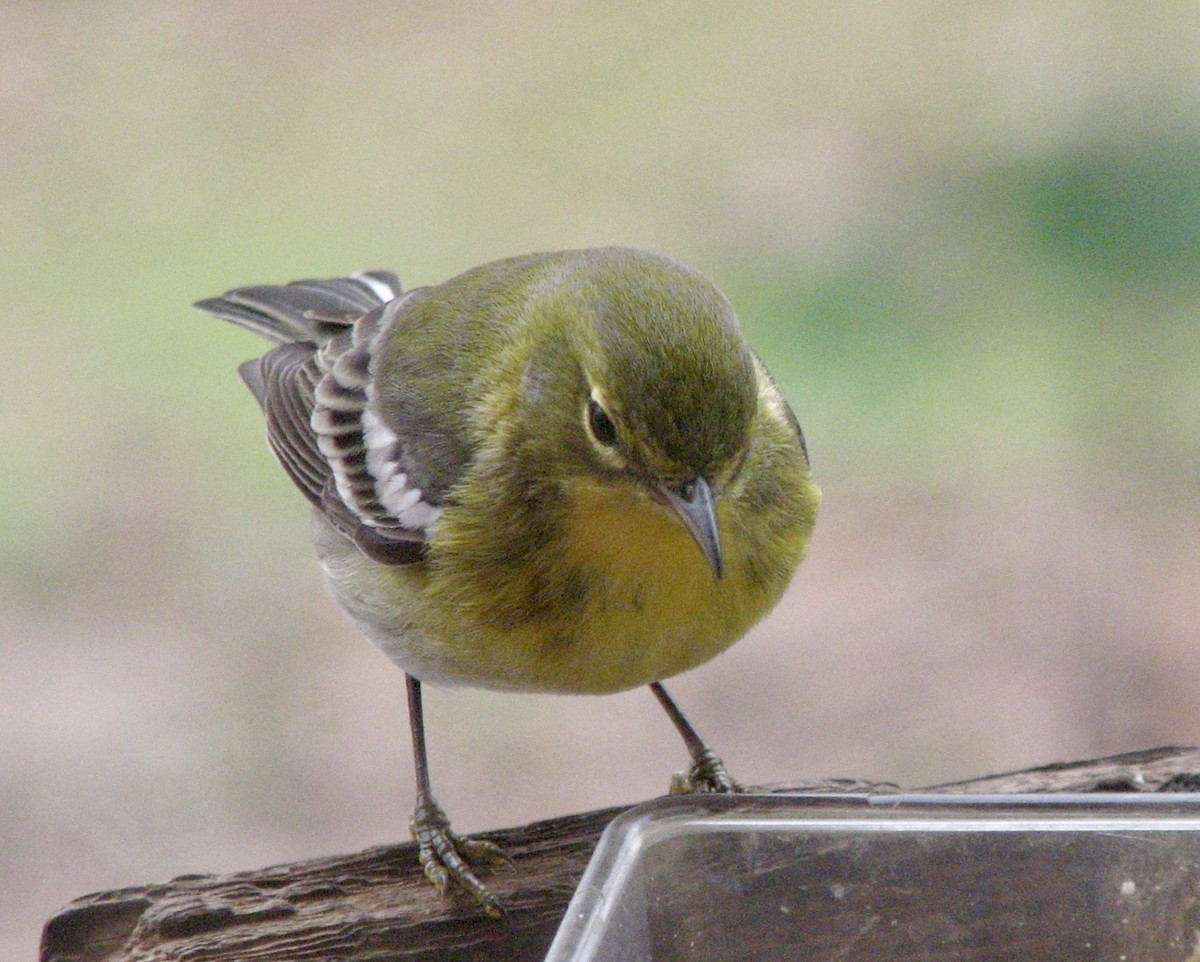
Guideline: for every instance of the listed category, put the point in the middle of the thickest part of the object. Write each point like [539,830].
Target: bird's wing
[767,380]
[311,310]
[316,394]
[284,383]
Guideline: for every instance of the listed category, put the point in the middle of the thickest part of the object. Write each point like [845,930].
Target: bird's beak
[694,505]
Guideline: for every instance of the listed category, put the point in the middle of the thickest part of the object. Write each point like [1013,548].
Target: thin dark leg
[708,772]
[443,853]
[416,722]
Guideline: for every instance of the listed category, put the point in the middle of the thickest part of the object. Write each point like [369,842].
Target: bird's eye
[601,425]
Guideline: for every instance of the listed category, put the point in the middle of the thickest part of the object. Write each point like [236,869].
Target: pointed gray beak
[694,505]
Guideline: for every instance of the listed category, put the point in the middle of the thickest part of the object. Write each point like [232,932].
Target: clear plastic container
[923,878]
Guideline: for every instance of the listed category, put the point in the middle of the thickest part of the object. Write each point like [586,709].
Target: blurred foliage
[1131,212]
[966,237]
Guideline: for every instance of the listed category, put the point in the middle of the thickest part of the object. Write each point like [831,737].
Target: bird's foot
[707,774]
[445,856]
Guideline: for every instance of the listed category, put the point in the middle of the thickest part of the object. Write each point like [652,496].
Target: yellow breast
[618,596]
[655,608]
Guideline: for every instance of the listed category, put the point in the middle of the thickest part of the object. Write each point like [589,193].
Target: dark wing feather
[284,380]
[392,546]
[284,389]
[314,389]
[309,310]
[787,408]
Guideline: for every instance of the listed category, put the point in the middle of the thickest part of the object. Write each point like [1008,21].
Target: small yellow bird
[561,472]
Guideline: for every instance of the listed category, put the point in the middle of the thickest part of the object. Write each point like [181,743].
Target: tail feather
[309,310]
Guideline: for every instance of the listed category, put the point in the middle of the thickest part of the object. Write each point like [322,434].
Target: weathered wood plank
[375,904]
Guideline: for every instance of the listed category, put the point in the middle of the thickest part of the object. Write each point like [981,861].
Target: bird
[561,472]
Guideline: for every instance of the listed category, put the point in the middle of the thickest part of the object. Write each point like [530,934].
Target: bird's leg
[707,773]
[443,853]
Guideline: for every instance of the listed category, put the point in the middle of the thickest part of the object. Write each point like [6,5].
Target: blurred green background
[966,237]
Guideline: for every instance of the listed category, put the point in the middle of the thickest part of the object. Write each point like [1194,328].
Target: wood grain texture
[376,905]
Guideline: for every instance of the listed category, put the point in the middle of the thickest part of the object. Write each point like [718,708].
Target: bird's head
[656,382]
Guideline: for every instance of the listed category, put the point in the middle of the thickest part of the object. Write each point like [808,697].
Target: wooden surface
[376,905]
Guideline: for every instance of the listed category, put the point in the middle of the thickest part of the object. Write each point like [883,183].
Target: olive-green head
[643,371]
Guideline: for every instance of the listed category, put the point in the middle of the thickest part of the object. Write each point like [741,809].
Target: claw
[444,855]
[481,850]
[707,774]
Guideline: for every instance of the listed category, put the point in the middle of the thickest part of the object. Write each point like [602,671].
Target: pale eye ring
[601,425]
